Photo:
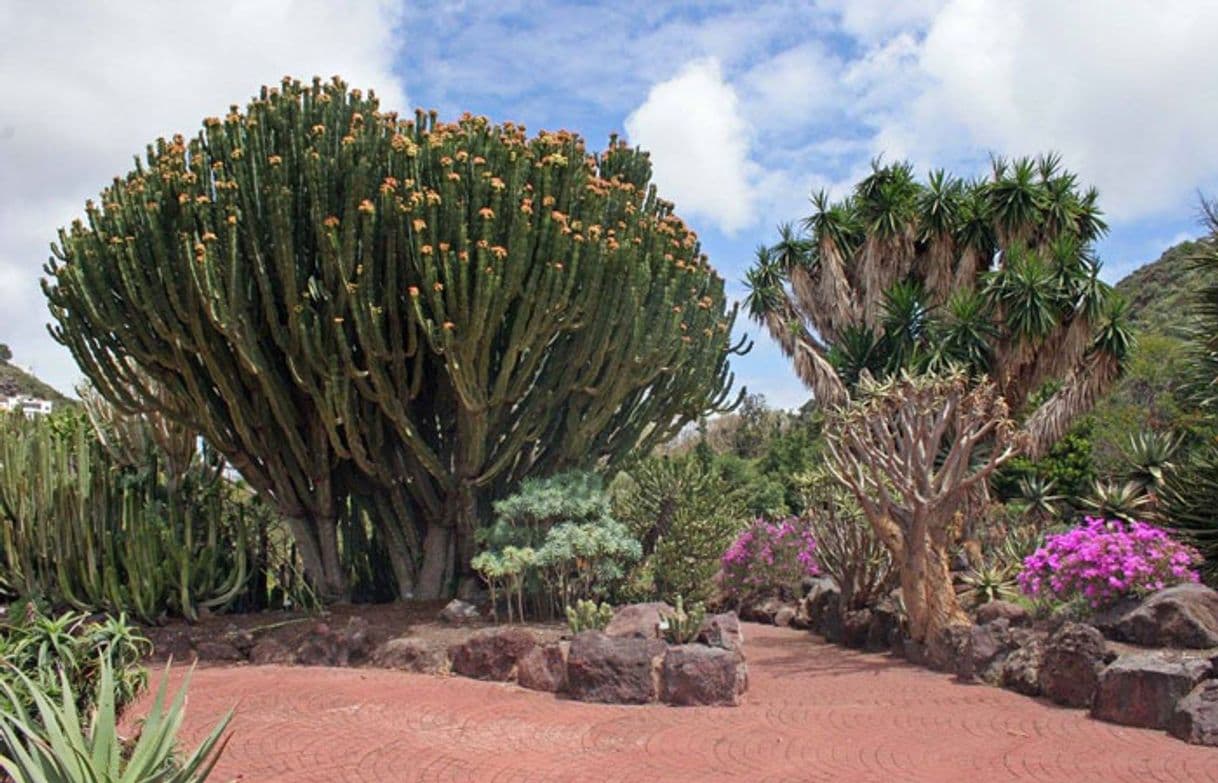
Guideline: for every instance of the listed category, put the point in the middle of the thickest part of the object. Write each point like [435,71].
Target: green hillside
[1152,393]
[1158,293]
[15,381]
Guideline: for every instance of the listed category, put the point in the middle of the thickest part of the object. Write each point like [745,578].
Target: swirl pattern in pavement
[813,712]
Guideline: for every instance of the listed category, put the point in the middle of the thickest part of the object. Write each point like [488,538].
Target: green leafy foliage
[506,571]
[685,515]
[1154,396]
[555,542]
[588,616]
[45,650]
[1068,466]
[50,742]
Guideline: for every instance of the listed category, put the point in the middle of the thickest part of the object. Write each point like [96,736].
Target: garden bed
[626,663]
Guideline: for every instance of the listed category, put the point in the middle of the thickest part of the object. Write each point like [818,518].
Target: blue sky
[746,107]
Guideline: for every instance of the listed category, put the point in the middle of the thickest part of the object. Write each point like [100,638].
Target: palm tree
[995,275]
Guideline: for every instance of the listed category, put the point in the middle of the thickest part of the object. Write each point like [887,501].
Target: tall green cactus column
[418,313]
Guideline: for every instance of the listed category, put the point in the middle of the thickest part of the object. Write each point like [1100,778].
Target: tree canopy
[401,315]
[995,275]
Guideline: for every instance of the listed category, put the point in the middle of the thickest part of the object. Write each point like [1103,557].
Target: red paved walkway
[813,713]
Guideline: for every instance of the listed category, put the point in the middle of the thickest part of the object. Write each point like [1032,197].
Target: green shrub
[505,572]
[685,516]
[47,744]
[587,560]
[553,543]
[45,650]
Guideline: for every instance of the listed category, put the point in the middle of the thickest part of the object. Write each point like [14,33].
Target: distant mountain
[15,381]
[1159,293]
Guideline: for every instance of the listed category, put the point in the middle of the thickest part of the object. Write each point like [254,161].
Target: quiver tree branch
[910,449]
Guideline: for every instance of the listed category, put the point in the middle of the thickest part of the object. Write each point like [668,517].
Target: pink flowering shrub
[768,558]
[1107,559]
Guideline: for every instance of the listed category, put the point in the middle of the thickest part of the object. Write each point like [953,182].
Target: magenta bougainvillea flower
[769,558]
[1107,559]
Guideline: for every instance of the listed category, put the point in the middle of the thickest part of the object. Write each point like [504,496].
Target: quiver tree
[910,449]
[403,316]
[995,275]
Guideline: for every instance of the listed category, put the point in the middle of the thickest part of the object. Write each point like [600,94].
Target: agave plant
[1018,544]
[1111,500]
[1041,504]
[991,582]
[1150,457]
[49,745]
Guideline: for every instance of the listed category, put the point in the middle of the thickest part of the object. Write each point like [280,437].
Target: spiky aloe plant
[1150,457]
[1113,500]
[344,302]
[50,743]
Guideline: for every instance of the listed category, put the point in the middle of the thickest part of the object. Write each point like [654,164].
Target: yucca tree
[996,275]
[401,316]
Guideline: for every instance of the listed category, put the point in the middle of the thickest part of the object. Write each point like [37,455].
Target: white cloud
[699,142]
[89,85]
[1124,91]
[873,20]
[794,89]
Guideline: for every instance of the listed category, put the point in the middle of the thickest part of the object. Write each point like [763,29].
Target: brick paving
[813,712]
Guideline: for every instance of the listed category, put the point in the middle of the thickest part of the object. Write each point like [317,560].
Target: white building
[30,406]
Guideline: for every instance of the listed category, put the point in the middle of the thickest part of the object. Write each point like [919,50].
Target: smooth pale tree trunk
[926,581]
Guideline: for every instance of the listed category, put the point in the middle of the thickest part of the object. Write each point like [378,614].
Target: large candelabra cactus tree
[417,314]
